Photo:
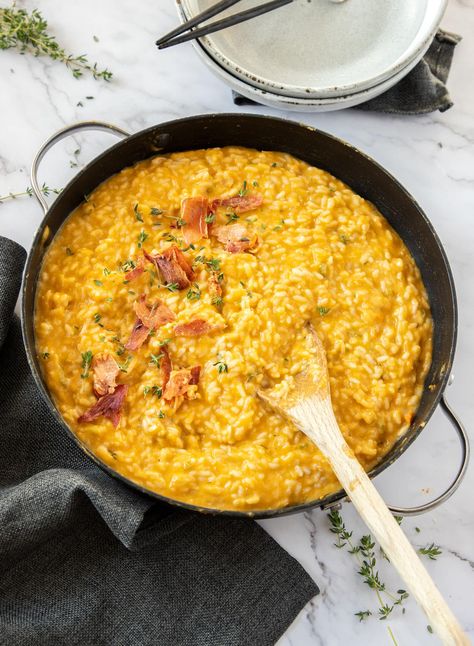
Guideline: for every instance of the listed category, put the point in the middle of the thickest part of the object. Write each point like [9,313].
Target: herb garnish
[172,287]
[179,221]
[243,191]
[138,215]
[217,301]
[97,318]
[210,217]
[231,217]
[161,414]
[106,271]
[156,359]
[86,363]
[99,283]
[194,294]
[124,366]
[323,311]
[155,211]
[45,355]
[431,551]
[69,252]
[27,32]
[127,265]
[221,366]
[363,614]
[141,238]
[169,237]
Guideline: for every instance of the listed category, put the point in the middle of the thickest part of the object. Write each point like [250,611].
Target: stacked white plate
[318,55]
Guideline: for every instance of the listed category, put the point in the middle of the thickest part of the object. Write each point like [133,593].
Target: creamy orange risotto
[182,284]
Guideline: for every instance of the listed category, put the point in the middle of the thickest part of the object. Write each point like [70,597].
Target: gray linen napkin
[422,90]
[86,561]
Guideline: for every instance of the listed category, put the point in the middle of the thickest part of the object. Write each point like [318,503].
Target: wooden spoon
[307,403]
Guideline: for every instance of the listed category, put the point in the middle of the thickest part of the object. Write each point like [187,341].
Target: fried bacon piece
[182,383]
[194,212]
[238,203]
[105,371]
[137,271]
[138,336]
[195,374]
[149,317]
[153,316]
[166,367]
[196,327]
[236,238]
[109,406]
[173,265]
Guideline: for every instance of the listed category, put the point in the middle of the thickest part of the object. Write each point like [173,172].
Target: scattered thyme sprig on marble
[365,555]
[46,190]
[27,32]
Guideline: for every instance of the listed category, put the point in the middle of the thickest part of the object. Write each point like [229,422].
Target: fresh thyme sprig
[431,551]
[45,189]
[364,552]
[27,32]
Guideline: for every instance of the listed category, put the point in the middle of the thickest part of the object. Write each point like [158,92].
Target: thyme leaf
[86,363]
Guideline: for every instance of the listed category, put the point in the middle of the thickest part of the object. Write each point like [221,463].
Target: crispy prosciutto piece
[137,271]
[173,265]
[105,370]
[196,327]
[149,317]
[109,406]
[236,238]
[195,374]
[238,203]
[166,367]
[194,212]
[153,316]
[182,383]
[138,336]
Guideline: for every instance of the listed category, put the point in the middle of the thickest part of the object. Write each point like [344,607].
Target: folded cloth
[85,560]
[422,90]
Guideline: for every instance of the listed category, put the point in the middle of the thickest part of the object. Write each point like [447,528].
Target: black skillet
[317,148]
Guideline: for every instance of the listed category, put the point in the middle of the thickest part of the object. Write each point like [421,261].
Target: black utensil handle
[226,22]
[201,17]
[61,134]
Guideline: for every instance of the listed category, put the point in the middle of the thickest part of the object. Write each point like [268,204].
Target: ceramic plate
[282,102]
[314,49]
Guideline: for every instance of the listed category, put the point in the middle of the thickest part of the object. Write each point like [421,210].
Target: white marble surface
[432,155]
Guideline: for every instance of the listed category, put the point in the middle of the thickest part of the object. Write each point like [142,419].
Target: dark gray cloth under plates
[422,90]
[87,561]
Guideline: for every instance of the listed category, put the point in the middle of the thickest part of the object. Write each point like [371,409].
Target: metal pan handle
[463,438]
[61,134]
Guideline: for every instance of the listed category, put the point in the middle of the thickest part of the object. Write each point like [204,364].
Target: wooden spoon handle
[316,419]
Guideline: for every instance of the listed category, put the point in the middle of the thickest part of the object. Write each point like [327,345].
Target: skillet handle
[61,134]
[463,438]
